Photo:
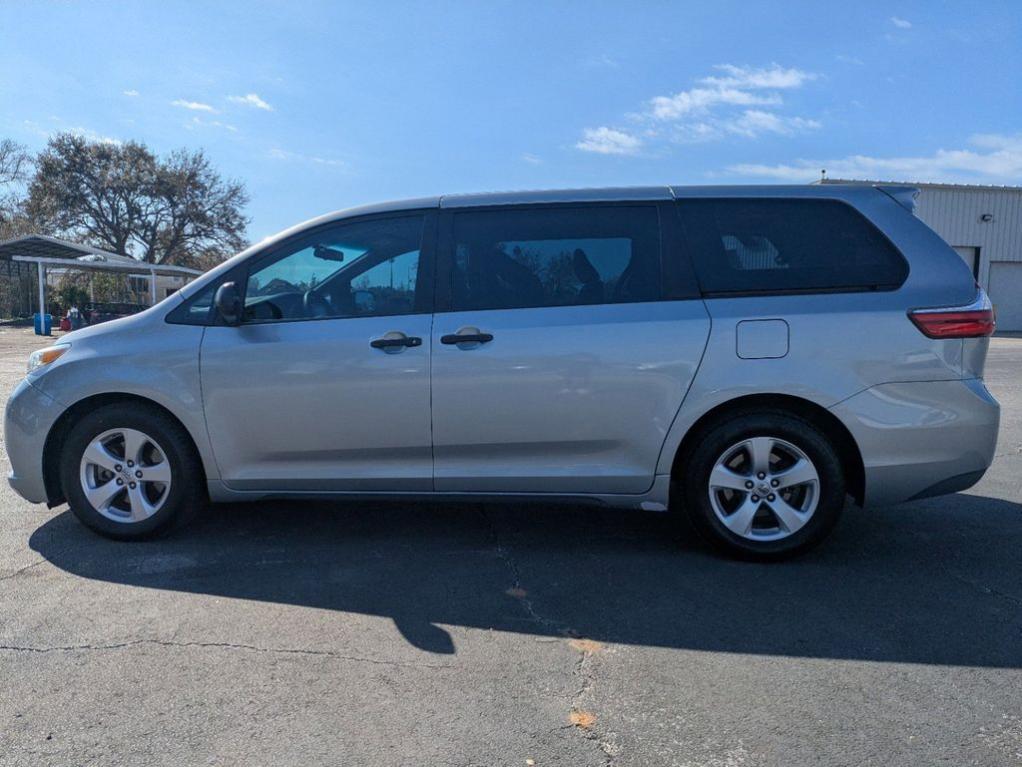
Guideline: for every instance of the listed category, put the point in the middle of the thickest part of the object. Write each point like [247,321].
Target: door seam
[432,442]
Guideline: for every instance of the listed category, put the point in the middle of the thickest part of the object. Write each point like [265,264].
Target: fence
[18,292]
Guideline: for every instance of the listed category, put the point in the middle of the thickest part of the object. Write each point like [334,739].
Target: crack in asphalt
[21,570]
[583,667]
[986,589]
[225,646]
[509,561]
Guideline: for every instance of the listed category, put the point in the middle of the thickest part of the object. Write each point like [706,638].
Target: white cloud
[901,23]
[993,158]
[730,102]
[132,92]
[62,127]
[751,123]
[737,87]
[774,77]
[531,158]
[283,154]
[604,140]
[92,135]
[602,60]
[754,122]
[701,100]
[251,100]
[696,132]
[198,122]
[195,106]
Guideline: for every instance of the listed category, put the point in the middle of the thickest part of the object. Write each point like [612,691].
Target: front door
[325,384]
[559,361]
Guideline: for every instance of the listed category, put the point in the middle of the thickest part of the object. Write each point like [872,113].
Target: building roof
[922,184]
[50,249]
[41,246]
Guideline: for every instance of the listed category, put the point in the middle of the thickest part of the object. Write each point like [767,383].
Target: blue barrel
[43,323]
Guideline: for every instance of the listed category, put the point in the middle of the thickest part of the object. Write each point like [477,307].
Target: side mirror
[228,303]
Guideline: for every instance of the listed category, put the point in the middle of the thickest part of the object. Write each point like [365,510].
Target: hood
[123,324]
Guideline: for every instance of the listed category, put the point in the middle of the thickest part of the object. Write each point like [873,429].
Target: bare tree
[123,198]
[15,169]
[15,162]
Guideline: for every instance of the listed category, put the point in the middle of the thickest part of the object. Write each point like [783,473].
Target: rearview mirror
[328,254]
[228,303]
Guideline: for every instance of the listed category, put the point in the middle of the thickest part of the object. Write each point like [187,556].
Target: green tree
[123,198]
[72,290]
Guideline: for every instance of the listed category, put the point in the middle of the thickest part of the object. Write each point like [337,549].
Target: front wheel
[130,471]
[763,485]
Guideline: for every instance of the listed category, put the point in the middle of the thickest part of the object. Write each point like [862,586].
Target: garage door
[1006,293]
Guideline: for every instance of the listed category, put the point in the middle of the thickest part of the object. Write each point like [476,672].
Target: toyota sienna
[748,357]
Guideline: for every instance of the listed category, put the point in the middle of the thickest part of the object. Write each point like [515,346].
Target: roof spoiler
[905,196]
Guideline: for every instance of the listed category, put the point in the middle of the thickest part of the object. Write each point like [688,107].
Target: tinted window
[361,269]
[196,310]
[777,245]
[519,258]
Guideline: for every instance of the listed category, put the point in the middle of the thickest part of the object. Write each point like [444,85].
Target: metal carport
[46,251]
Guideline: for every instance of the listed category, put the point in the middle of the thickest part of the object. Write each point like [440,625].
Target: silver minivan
[743,357]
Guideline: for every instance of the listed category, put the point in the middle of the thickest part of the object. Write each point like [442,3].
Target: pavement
[399,634]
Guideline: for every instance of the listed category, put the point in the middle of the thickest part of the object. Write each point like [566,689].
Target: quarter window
[765,245]
[195,310]
[520,258]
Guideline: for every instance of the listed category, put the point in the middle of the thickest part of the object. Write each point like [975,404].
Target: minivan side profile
[745,357]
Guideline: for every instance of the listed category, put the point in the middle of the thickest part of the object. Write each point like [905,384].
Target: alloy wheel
[125,475]
[764,489]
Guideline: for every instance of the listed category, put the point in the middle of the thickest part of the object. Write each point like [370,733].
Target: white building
[984,224]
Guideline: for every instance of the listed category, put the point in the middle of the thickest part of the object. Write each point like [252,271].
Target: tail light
[973,321]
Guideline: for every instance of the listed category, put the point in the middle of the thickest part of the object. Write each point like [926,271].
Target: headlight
[40,358]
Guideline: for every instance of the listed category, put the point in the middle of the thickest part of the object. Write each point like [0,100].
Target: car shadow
[934,581]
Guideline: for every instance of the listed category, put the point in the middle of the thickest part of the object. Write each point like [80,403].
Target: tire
[107,494]
[721,488]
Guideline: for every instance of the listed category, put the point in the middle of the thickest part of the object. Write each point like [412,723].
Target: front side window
[776,245]
[517,258]
[362,269]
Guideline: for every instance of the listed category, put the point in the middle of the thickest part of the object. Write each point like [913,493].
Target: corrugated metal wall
[954,213]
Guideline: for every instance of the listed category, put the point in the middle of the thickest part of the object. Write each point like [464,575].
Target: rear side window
[767,246]
[530,257]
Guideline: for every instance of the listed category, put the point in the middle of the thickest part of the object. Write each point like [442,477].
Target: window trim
[240,273]
[688,248]
[445,254]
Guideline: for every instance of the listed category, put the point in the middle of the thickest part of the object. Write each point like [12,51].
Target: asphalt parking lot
[393,634]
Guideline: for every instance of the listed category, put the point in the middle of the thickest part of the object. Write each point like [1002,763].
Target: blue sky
[318,106]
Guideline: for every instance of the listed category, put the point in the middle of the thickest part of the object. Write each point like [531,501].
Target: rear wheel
[130,471]
[765,485]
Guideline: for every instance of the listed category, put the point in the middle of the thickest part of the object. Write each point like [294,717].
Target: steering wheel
[314,305]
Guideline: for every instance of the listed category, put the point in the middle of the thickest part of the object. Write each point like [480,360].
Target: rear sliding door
[560,355]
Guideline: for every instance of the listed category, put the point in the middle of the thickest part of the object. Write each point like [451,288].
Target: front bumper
[28,418]
[919,439]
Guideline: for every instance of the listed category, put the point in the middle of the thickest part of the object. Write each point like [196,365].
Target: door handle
[466,338]
[390,343]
